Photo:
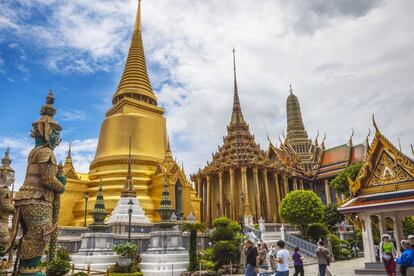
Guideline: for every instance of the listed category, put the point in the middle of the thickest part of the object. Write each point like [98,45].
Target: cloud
[345,60]
[71,115]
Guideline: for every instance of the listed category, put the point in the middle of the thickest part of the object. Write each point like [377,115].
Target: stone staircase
[373,269]
[270,238]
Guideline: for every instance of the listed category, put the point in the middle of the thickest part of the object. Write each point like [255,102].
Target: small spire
[168,144]
[290,89]
[129,190]
[367,141]
[69,154]
[6,159]
[99,212]
[316,139]
[166,209]
[323,140]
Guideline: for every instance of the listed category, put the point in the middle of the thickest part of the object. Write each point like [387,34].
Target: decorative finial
[377,132]
[350,137]
[280,140]
[137,27]
[316,138]
[168,144]
[412,149]
[290,89]
[399,144]
[268,138]
[324,138]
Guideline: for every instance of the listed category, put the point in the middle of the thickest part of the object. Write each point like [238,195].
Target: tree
[226,240]
[340,182]
[408,226]
[301,208]
[193,228]
[317,231]
[332,216]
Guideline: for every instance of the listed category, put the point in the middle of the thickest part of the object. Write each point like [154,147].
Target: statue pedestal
[166,255]
[96,250]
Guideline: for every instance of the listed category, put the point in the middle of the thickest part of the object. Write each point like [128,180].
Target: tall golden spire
[129,190]
[135,82]
[237,115]
[295,127]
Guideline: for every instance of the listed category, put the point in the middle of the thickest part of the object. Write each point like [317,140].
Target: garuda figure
[6,201]
[42,184]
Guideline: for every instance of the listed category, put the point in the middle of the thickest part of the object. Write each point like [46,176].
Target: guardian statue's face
[54,138]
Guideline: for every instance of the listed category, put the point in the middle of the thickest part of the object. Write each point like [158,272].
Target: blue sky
[345,60]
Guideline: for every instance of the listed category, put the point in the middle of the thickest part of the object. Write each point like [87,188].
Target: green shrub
[127,249]
[206,265]
[317,231]
[340,248]
[224,252]
[63,254]
[81,273]
[256,226]
[340,182]
[332,217]
[57,267]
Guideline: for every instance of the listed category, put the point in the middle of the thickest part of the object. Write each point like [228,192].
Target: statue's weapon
[55,218]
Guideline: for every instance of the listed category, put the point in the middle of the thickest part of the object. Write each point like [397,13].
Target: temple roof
[239,147]
[68,169]
[135,82]
[385,169]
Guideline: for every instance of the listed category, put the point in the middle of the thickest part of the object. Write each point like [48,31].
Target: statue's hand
[62,179]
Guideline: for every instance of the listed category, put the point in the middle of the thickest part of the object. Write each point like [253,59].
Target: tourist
[411,239]
[322,254]
[272,257]
[282,258]
[388,254]
[263,255]
[406,259]
[298,263]
[252,259]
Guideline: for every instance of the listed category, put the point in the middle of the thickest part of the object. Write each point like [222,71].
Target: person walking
[298,263]
[252,259]
[282,258]
[263,256]
[406,259]
[272,257]
[388,254]
[322,254]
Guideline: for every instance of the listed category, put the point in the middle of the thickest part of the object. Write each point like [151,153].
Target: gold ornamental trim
[394,187]
[29,270]
[122,161]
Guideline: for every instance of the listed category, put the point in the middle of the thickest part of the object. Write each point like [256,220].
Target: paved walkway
[339,268]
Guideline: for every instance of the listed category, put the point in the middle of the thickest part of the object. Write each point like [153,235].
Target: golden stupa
[134,114]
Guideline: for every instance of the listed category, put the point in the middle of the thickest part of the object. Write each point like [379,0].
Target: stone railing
[305,246]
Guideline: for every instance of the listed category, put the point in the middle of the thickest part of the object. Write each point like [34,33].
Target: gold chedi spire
[135,82]
[237,115]
[129,190]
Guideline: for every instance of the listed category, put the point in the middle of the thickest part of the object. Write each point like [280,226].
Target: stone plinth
[166,255]
[96,250]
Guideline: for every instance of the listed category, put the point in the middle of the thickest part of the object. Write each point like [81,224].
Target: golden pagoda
[134,114]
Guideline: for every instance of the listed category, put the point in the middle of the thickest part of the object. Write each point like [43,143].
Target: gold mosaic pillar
[208,210]
[232,195]
[267,203]
[221,194]
[258,203]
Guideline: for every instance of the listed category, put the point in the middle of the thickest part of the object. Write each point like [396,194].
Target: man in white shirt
[282,256]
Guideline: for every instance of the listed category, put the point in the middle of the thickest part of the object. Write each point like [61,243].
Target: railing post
[88,269]
[282,232]
[73,269]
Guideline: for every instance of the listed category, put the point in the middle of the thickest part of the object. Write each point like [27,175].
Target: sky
[345,59]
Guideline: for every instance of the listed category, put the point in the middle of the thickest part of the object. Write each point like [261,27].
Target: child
[298,263]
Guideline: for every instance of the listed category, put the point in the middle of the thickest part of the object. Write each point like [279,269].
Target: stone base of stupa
[166,255]
[120,213]
[96,250]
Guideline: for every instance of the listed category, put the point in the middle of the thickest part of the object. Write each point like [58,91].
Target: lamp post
[130,203]
[242,205]
[86,197]
[355,247]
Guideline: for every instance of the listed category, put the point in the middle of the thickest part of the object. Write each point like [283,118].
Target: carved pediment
[387,171]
